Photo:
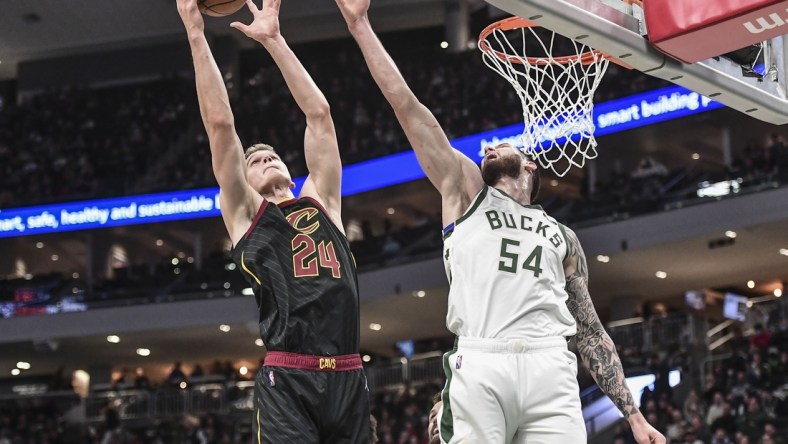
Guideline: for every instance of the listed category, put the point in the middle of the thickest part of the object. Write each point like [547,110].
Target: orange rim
[511,23]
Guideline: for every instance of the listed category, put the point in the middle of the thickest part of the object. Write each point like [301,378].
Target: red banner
[692,30]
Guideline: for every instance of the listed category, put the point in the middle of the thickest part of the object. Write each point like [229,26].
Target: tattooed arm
[595,346]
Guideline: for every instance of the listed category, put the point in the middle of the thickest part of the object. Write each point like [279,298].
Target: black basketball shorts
[311,399]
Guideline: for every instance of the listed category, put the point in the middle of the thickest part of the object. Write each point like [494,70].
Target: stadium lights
[258,342]
[730,234]
[247,291]
[662,274]
[778,292]
[143,352]
[75,275]
[602,258]
[22,365]
[114,339]
[695,156]
[750,284]
[15,372]
[366,358]
[420,293]
[444,44]
[375,327]
[243,370]
[784,251]
[39,245]
[55,258]
[159,242]
[224,327]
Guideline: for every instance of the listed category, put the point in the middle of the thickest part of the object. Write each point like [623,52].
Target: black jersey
[304,279]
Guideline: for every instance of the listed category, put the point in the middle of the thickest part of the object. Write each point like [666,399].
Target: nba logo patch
[459,362]
[271,379]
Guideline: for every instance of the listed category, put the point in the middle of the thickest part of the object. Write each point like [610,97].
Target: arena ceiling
[38,29]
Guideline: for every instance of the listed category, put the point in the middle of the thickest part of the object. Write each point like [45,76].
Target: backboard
[617,28]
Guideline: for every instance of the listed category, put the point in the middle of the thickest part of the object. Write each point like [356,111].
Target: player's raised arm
[595,346]
[238,200]
[320,141]
[452,173]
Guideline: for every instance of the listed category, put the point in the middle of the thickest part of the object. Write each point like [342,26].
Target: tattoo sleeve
[596,349]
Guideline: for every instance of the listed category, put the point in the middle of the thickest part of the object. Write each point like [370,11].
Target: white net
[555,78]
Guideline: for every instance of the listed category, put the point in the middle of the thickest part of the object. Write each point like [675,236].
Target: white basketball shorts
[511,391]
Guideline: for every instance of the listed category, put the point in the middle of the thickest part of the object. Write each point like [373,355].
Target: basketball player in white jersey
[518,287]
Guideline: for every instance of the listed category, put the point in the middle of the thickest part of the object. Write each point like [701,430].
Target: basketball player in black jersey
[311,388]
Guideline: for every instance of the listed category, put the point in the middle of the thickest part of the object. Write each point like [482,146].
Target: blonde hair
[259,147]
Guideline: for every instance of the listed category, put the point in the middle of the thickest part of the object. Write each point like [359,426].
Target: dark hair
[436,397]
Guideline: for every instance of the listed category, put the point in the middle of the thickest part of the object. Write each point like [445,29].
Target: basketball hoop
[556,91]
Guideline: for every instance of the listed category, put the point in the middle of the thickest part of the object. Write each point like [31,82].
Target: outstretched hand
[265,25]
[353,10]
[191,15]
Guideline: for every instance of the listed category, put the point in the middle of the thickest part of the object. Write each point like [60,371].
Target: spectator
[197,371]
[111,424]
[693,406]
[726,421]
[752,421]
[141,380]
[176,375]
[760,338]
[720,437]
[716,409]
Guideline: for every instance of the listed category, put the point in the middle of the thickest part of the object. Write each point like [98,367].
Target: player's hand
[644,433]
[265,25]
[353,10]
[191,16]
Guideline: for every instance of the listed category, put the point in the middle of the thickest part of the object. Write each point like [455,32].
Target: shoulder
[331,207]
[575,259]
[570,237]
[471,174]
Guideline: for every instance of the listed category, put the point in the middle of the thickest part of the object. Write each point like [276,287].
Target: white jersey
[504,261]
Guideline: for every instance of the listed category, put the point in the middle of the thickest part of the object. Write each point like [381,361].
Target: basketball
[220,8]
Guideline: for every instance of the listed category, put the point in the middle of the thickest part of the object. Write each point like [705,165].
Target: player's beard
[495,169]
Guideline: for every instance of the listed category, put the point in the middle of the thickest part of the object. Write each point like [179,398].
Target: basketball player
[518,286]
[311,388]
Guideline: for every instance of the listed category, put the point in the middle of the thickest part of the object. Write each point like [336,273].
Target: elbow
[219,121]
[402,100]
[320,111]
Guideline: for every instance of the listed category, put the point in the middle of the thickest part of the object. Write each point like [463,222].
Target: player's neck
[517,189]
[278,194]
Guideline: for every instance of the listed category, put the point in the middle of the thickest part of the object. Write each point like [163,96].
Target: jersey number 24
[304,261]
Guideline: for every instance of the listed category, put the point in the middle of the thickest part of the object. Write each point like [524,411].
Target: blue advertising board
[609,117]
